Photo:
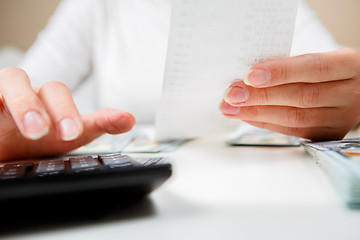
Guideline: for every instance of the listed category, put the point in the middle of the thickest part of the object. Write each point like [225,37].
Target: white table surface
[222,192]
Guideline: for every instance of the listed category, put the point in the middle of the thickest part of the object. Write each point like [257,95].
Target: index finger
[309,68]
[22,102]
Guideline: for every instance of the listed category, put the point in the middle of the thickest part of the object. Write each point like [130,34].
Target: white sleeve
[62,51]
[310,35]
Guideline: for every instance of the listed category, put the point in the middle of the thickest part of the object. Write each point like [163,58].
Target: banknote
[132,142]
[252,136]
[340,160]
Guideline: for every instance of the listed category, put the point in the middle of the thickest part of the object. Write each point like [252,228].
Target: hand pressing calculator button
[129,177]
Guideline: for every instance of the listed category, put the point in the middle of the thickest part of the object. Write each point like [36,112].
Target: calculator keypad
[74,165]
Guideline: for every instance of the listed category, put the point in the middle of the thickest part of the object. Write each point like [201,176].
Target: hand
[45,121]
[314,96]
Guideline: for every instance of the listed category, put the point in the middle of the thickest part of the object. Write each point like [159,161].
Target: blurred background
[21,20]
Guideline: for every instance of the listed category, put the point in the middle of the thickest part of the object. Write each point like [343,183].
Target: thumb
[110,121]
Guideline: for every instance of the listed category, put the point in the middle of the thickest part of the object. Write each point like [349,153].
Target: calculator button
[87,163]
[111,155]
[53,166]
[12,172]
[15,165]
[116,160]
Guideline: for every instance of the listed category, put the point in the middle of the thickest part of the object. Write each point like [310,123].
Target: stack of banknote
[341,162]
[132,142]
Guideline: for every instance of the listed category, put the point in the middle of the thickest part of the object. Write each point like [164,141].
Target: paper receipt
[211,44]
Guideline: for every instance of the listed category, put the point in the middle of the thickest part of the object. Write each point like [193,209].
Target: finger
[313,133]
[22,102]
[106,121]
[287,116]
[302,95]
[319,67]
[61,108]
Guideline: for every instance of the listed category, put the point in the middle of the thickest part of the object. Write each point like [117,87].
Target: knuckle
[320,64]
[296,117]
[261,95]
[251,113]
[104,124]
[57,97]
[283,70]
[309,95]
[23,102]
[265,96]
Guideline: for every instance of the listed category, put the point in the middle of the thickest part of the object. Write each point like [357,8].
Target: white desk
[221,192]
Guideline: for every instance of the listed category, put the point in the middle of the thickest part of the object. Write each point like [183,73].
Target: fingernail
[228,109]
[234,95]
[34,125]
[69,129]
[257,77]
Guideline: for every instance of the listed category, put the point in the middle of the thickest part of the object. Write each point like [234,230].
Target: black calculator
[128,176]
